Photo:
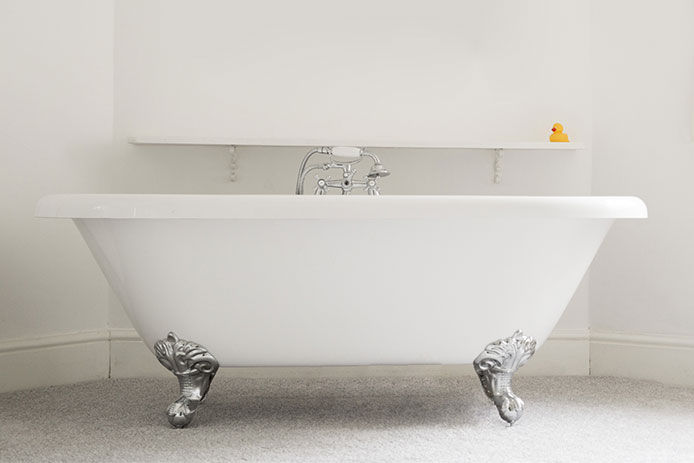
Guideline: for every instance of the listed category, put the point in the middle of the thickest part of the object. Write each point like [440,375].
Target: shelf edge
[220,141]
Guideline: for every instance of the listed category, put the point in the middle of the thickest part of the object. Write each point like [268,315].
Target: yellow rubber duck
[558,133]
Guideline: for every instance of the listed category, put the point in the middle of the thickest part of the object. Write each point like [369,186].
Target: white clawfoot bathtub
[342,280]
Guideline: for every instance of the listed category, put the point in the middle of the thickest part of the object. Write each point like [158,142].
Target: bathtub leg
[495,367]
[194,367]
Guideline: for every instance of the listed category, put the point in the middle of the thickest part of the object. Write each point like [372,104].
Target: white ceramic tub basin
[332,280]
[342,280]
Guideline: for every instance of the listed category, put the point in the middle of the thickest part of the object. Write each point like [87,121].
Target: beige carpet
[567,419]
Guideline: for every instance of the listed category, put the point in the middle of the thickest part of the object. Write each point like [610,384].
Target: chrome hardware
[342,158]
[495,367]
[194,367]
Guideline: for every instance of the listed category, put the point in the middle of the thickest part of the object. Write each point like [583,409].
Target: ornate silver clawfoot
[495,367]
[194,367]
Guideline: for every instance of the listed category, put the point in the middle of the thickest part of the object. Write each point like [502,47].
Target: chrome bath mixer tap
[343,158]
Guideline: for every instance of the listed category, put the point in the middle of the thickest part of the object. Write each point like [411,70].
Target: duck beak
[553,129]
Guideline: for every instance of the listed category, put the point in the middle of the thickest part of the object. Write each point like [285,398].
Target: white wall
[56,120]
[79,72]
[74,92]
[643,71]
[358,70]
[641,312]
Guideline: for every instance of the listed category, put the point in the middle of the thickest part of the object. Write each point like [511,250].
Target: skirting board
[119,353]
[565,353]
[667,359]
[75,357]
[53,360]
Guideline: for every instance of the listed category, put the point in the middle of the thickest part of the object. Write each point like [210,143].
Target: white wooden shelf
[230,141]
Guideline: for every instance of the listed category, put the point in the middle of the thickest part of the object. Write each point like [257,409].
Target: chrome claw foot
[194,367]
[181,412]
[495,367]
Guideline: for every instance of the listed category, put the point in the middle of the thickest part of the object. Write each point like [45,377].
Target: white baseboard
[119,353]
[667,359]
[52,360]
[564,353]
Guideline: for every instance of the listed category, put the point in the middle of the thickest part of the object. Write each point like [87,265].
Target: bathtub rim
[258,206]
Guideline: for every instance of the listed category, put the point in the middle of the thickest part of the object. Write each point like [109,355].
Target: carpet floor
[432,419]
